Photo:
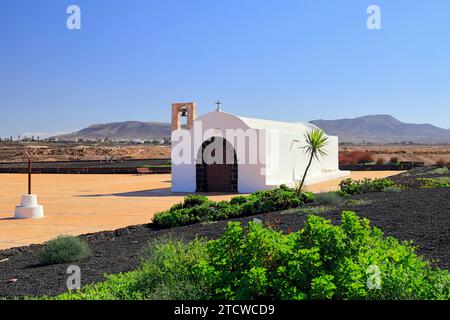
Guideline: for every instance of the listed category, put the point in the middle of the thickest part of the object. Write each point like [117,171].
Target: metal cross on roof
[218,103]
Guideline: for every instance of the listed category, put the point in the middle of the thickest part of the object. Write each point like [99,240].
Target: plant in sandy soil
[64,249]
[197,209]
[353,187]
[322,261]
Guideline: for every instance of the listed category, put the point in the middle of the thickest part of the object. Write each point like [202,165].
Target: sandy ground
[79,204]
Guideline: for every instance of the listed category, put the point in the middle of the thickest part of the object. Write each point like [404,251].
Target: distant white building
[221,152]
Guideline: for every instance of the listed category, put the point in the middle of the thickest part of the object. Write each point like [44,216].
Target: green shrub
[64,249]
[194,200]
[353,187]
[328,198]
[322,261]
[307,197]
[433,183]
[350,187]
[197,209]
[165,273]
[239,200]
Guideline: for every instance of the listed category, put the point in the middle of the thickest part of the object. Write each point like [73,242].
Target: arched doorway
[216,167]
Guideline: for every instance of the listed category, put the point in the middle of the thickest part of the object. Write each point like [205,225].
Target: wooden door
[218,177]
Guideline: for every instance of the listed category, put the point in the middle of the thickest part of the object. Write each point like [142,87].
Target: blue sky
[278,59]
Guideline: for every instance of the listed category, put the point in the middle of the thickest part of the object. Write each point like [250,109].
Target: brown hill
[383,129]
[372,128]
[126,130]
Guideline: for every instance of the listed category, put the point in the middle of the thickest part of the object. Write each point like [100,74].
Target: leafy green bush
[433,183]
[322,261]
[239,200]
[165,273]
[353,187]
[64,249]
[197,209]
[194,200]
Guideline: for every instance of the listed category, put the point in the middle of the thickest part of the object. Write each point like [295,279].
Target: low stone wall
[402,166]
[95,170]
[89,167]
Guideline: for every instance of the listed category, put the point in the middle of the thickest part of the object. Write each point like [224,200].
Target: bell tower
[179,110]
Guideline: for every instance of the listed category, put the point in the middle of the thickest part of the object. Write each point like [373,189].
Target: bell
[183,113]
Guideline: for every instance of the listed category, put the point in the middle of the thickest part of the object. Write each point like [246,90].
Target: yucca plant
[316,141]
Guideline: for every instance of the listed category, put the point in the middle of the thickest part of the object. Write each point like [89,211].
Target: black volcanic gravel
[421,215]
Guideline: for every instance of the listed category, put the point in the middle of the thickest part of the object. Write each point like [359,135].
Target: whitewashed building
[222,152]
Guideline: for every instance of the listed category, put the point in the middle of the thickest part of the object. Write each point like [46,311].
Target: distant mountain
[374,128]
[128,130]
[382,129]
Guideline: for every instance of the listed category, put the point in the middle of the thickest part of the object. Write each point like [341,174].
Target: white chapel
[222,152]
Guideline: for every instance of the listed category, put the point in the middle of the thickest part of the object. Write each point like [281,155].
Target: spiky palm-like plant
[316,141]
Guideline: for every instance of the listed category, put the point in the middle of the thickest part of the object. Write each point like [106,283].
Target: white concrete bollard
[29,208]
